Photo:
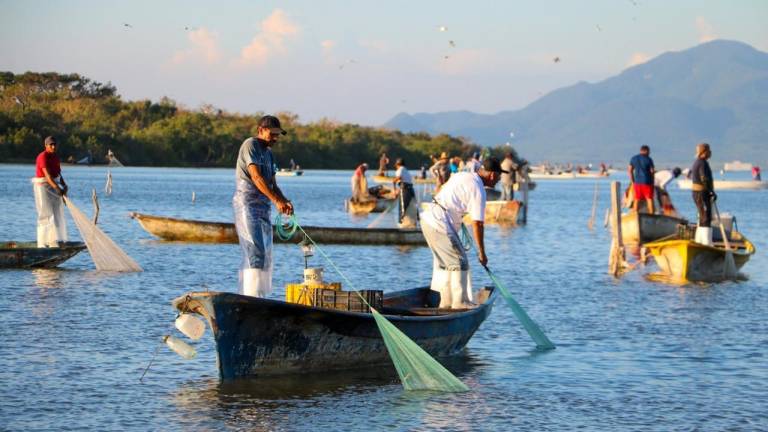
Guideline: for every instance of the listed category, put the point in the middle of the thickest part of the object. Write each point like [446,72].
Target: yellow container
[305,293]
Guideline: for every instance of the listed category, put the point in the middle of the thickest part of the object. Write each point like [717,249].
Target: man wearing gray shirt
[256,190]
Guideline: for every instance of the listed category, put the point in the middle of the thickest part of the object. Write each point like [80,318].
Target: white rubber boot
[459,289]
[441,284]
[704,235]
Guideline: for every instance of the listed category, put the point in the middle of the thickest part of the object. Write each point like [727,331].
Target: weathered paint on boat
[640,228]
[172,229]
[686,260]
[500,212]
[262,337]
[28,255]
[729,184]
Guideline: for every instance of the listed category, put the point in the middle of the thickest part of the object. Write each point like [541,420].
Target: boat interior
[424,302]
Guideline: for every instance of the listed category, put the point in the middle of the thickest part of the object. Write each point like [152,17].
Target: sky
[359,61]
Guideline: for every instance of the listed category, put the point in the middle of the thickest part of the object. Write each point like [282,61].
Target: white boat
[737,166]
[552,176]
[729,184]
[289,173]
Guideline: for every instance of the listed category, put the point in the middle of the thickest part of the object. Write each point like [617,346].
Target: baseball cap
[271,122]
[50,140]
[493,165]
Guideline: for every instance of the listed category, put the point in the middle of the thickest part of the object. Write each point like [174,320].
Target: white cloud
[204,48]
[638,58]
[276,29]
[705,29]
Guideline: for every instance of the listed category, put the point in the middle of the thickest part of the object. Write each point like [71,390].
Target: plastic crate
[349,300]
[305,293]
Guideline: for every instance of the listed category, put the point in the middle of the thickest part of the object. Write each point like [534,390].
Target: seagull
[127,25]
[556,59]
[446,57]
[598,27]
[442,28]
[452,44]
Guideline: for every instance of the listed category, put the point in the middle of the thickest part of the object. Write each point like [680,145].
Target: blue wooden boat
[28,255]
[261,337]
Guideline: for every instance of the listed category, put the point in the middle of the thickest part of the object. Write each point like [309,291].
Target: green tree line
[90,118]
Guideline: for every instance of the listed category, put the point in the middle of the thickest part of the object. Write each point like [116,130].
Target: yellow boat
[640,228]
[688,261]
[380,179]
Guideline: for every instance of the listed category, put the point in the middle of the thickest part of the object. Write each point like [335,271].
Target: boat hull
[380,179]
[28,255]
[640,228]
[365,207]
[500,212]
[172,229]
[729,184]
[686,260]
[261,337]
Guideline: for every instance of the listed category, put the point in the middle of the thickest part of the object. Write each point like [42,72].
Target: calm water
[632,354]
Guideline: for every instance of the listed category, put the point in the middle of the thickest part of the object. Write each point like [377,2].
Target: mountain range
[716,92]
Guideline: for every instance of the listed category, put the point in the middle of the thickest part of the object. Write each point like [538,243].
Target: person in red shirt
[49,189]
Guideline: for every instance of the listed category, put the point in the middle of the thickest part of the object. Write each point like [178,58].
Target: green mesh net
[416,368]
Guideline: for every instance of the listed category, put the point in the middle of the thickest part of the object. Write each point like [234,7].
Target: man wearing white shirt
[661,180]
[464,193]
[404,182]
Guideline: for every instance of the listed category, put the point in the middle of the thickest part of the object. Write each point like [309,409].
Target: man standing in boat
[703,192]
[441,170]
[464,193]
[383,164]
[404,182]
[641,172]
[661,180]
[51,225]
[508,179]
[360,184]
[256,190]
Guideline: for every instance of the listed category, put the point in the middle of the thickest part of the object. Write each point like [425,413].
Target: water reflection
[48,278]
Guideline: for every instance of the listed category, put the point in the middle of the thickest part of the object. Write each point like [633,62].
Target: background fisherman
[359,184]
[256,190]
[404,181]
[641,171]
[661,180]
[473,164]
[51,225]
[383,164]
[508,178]
[703,192]
[441,220]
[441,170]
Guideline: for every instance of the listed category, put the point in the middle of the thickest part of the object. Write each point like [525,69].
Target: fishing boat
[263,337]
[28,255]
[640,228]
[592,175]
[552,176]
[500,212]
[287,172]
[737,166]
[371,206]
[185,230]
[687,261]
[729,184]
[380,179]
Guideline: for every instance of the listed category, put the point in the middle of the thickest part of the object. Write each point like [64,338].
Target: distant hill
[715,92]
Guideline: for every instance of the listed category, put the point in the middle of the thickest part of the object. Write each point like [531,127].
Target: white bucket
[703,235]
[313,275]
[192,326]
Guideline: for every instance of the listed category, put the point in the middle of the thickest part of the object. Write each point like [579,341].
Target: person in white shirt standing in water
[464,193]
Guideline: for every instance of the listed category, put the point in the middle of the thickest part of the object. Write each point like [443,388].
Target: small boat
[592,175]
[370,206]
[28,255]
[500,212]
[737,166]
[640,228]
[729,184]
[687,261]
[262,337]
[380,179]
[552,176]
[286,172]
[184,230]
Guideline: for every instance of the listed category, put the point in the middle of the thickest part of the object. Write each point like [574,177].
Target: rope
[292,224]
[286,231]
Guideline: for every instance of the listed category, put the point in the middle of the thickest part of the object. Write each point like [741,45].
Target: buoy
[192,326]
[180,347]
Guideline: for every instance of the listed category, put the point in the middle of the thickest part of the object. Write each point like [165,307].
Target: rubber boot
[256,283]
[441,284]
[459,297]
[704,235]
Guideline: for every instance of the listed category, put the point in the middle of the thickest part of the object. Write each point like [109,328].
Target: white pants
[51,225]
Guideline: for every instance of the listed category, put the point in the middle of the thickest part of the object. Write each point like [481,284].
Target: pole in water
[193,197]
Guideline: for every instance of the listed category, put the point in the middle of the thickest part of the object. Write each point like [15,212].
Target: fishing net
[105,253]
[533,329]
[415,367]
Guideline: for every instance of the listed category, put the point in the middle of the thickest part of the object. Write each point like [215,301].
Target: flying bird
[446,57]
[442,28]
[556,59]
[127,25]
[452,44]
[598,27]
